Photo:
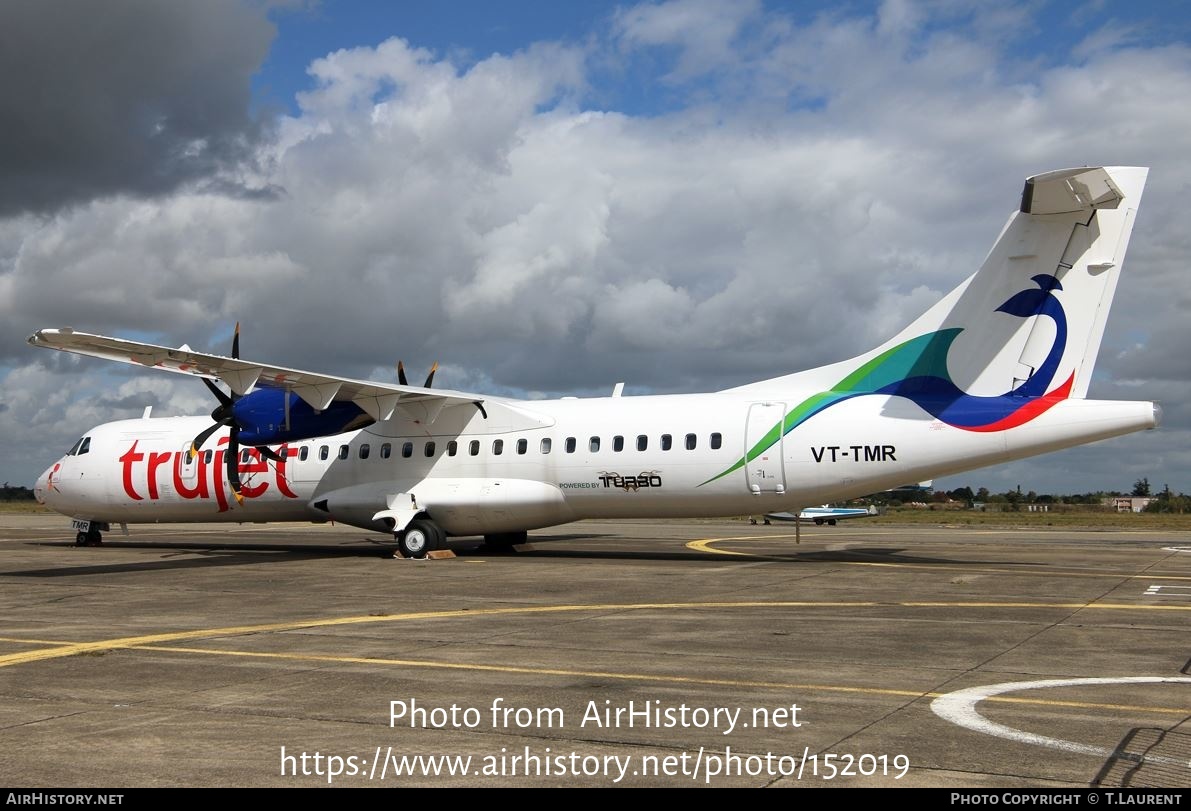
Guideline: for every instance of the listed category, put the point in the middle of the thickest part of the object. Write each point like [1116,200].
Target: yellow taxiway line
[705,545]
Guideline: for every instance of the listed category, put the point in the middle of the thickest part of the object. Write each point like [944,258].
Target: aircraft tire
[80,539]
[419,538]
[831,522]
[818,522]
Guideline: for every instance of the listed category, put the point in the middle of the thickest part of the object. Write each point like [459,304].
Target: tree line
[1164,501]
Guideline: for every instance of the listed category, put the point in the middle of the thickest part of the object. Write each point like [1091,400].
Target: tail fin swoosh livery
[1012,341]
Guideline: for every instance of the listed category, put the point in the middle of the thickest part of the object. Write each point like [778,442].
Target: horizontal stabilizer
[1069,190]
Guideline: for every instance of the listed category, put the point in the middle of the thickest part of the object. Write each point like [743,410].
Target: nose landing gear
[91,537]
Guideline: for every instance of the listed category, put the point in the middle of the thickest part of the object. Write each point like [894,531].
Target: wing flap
[319,395]
[380,407]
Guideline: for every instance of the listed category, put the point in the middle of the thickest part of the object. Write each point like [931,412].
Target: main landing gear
[91,537]
[505,541]
[421,537]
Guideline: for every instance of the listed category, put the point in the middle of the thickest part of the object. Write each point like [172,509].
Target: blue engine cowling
[262,418]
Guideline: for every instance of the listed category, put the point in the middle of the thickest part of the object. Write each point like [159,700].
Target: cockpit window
[86,446]
[75,447]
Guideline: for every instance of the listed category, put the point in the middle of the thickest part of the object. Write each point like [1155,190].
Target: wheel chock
[437,554]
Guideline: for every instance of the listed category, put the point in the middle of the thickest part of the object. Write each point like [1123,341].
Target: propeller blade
[231,458]
[201,438]
[404,381]
[219,395]
[269,454]
[224,415]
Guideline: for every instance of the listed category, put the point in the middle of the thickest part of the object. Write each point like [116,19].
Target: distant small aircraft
[820,515]
[997,370]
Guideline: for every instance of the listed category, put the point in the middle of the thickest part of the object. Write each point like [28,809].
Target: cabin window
[343,451]
[365,450]
[618,443]
[716,441]
[545,447]
[570,444]
[303,453]
[690,442]
[498,447]
[429,451]
[86,446]
[323,452]
[667,442]
[593,444]
[452,448]
[407,450]
[522,445]
[474,447]
[244,456]
[207,457]
[642,442]
[386,450]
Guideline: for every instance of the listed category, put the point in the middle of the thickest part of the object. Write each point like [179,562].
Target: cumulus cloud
[124,97]
[825,179]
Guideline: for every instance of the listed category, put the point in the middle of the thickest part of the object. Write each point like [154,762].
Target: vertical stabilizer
[1029,322]
[1018,336]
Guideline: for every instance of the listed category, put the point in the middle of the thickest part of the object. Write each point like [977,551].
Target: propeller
[404,382]
[224,417]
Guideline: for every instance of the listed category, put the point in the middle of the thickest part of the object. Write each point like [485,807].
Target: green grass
[22,507]
[1068,519]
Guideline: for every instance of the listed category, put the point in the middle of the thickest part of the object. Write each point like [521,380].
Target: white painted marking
[1176,549]
[1155,590]
[960,708]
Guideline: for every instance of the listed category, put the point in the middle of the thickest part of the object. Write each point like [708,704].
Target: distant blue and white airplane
[821,515]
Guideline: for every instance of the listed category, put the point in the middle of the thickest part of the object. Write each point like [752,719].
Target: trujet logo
[145,474]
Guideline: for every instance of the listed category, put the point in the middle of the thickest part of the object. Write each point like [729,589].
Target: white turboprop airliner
[997,370]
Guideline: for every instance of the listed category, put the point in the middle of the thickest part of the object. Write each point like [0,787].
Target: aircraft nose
[42,485]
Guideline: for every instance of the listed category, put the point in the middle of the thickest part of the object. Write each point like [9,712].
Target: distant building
[1128,504]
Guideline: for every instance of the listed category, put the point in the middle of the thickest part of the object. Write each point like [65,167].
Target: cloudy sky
[547,198]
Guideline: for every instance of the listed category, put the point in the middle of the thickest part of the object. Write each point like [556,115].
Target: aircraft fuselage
[530,464]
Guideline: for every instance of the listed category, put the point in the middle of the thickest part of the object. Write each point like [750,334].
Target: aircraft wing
[378,400]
